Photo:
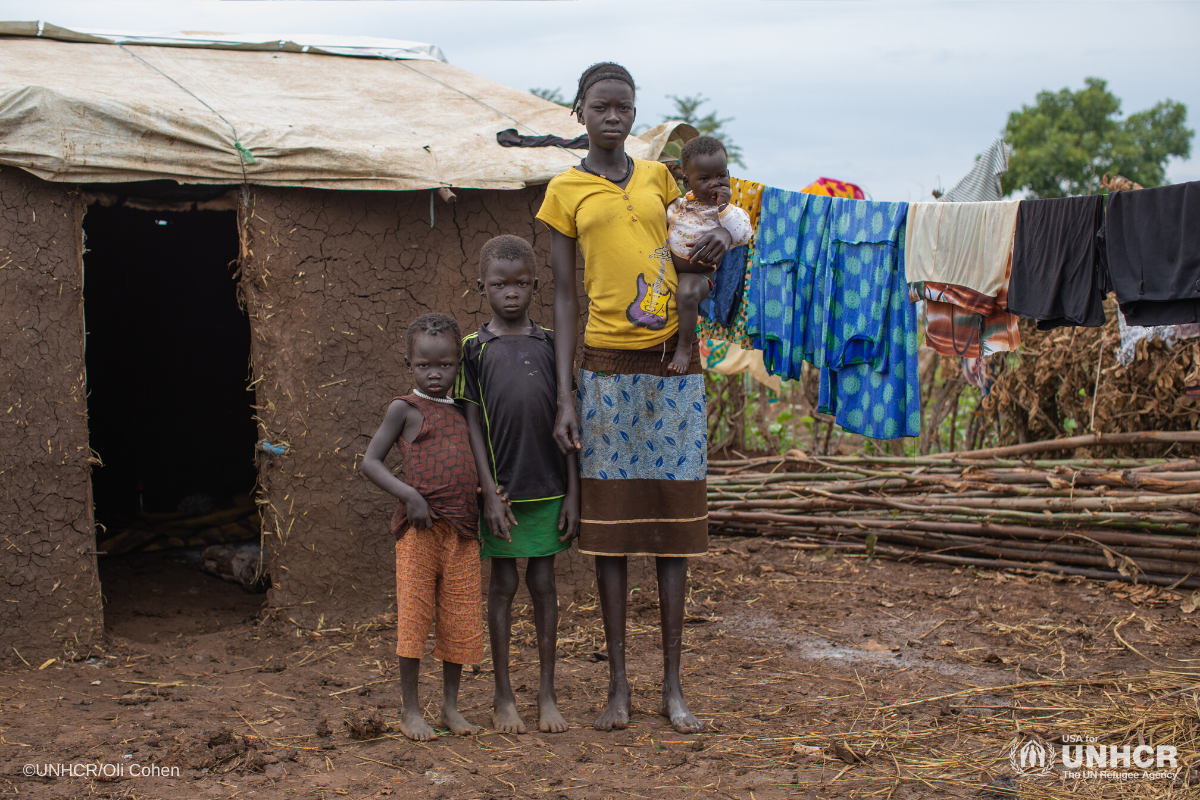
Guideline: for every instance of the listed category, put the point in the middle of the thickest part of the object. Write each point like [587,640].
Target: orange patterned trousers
[437,575]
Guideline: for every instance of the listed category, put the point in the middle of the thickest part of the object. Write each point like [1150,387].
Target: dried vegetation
[1068,381]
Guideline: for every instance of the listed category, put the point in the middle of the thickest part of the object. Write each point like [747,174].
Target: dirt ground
[818,675]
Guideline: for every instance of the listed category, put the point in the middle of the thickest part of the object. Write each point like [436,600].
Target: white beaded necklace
[443,400]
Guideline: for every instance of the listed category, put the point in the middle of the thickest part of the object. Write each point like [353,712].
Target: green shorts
[535,534]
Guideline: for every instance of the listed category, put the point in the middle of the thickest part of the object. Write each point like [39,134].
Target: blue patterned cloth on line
[867,353]
[642,426]
[788,251]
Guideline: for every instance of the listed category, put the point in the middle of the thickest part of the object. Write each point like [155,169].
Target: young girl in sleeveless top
[436,524]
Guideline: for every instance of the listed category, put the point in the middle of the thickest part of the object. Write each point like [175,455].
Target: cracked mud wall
[49,588]
[332,281]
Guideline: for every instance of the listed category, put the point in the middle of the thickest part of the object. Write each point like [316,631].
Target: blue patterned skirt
[644,461]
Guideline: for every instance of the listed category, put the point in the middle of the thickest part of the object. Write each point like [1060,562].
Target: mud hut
[210,249]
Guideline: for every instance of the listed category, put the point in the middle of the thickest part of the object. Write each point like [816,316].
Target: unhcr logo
[1084,757]
[1031,756]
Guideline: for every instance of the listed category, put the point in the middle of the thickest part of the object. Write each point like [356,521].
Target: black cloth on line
[1059,270]
[510,138]
[1154,253]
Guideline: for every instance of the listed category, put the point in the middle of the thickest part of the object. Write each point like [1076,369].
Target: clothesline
[833,281]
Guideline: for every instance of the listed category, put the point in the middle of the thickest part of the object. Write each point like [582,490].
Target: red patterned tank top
[439,465]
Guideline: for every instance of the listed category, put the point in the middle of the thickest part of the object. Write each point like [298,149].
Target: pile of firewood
[1103,518]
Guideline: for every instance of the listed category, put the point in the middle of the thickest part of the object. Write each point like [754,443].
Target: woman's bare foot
[414,726]
[679,362]
[616,715]
[675,709]
[505,717]
[549,718]
[450,718]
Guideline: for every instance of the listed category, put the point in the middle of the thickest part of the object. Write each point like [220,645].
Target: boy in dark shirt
[530,491]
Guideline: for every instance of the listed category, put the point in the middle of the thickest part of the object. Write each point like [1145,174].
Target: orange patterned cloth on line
[831,188]
[962,322]
[437,575]
[747,195]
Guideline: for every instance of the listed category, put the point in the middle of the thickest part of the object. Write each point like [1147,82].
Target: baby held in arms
[705,207]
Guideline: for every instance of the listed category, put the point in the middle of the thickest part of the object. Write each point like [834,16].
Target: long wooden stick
[1095,574]
[1074,442]
[987,563]
[984,529]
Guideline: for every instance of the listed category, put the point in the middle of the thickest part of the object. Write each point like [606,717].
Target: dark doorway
[169,414]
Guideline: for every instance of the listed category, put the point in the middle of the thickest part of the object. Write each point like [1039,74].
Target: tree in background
[553,95]
[687,109]
[1064,144]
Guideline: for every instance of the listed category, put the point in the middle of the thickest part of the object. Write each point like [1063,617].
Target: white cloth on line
[1132,334]
[962,244]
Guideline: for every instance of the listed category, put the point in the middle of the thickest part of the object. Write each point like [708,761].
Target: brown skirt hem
[649,361]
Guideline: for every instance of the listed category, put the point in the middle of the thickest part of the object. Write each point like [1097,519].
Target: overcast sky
[895,96]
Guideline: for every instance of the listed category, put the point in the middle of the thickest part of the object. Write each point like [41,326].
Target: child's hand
[568,517]
[420,514]
[724,193]
[497,513]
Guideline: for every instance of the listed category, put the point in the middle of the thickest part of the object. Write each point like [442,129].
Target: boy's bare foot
[549,719]
[450,718]
[675,709]
[505,717]
[679,362]
[414,726]
[616,715]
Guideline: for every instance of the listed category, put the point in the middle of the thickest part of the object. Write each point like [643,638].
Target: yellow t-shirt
[627,273]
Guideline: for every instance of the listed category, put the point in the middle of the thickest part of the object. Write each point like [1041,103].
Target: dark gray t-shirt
[512,380]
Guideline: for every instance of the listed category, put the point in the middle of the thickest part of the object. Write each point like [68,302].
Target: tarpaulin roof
[361,46]
[105,107]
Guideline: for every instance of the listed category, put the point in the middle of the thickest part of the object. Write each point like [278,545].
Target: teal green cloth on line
[828,287]
[868,349]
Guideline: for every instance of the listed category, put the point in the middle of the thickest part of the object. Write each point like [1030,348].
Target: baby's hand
[710,248]
[724,193]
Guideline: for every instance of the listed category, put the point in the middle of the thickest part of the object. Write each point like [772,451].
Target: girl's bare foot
[450,718]
[549,719]
[505,717]
[616,715]
[414,726]
[675,709]
[679,362]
